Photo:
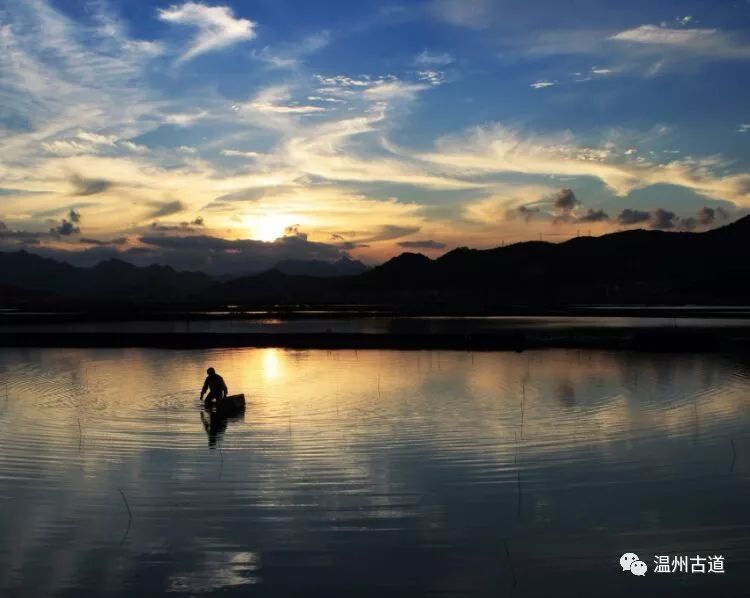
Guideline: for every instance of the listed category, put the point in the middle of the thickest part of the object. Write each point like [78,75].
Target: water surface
[371,473]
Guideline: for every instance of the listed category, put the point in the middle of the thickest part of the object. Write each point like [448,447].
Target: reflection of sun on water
[271,364]
[269,228]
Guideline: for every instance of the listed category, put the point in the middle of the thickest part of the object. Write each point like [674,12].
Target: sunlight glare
[269,228]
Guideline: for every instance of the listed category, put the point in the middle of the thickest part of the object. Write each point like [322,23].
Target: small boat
[230,404]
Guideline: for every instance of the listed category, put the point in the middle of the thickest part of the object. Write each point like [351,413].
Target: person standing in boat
[216,387]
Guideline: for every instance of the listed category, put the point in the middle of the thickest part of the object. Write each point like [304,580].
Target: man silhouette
[215,385]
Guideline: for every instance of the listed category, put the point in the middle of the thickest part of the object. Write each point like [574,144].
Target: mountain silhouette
[633,266]
[110,279]
[342,267]
[627,267]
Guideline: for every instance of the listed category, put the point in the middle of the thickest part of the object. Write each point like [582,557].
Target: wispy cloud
[541,84]
[433,59]
[475,14]
[497,149]
[217,27]
[707,42]
[277,100]
[291,55]
[653,34]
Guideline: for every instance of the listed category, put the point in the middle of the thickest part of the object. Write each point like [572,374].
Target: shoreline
[632,338]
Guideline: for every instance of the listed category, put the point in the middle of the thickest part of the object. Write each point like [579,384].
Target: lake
[372,473]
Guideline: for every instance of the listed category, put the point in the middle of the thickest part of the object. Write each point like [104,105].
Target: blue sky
[221,134]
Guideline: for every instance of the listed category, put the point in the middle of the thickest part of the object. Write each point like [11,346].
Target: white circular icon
[638,568]
[627,560]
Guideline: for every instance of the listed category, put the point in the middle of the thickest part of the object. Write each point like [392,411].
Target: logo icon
[630,562]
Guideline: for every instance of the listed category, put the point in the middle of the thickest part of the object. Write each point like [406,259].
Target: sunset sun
[268,228]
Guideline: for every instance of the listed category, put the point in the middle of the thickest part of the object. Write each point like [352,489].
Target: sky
[227,136]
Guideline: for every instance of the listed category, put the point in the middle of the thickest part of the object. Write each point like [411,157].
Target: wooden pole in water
[130,515]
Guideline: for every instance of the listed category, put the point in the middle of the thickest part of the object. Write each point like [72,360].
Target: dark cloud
[116,241]
[65,228]
[162,209]
[663,219]
[350,245]
[184,227]
[594,216]
[12,240]
[564,201]
[59,210]
[294,231]
[527,212]
[198,221]
[388,232]
[19,192]
[84,186]
[426,244]
[628,216]
[68,227]
[707,216]
[222,256]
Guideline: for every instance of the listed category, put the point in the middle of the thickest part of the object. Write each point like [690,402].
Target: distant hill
[320,268]
[628,267]
[111,279]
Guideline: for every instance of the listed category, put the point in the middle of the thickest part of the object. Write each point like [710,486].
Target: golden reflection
[271,365]
[134,398]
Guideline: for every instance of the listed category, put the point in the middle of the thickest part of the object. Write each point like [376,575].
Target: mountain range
[627,267]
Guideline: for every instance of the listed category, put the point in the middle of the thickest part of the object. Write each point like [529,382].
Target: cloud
[658,218]
[85,142]
[168,208]
[100,243]
[65,228]
[474,14]
[629,216]
[217,27]
[290,55]
[661,218]
[707,42]
[83,186]
[564,200]
[541,84]
[239,256]
[426,244]
[388,232]
[240,154]
[185,119]
[294,230]
[496,149]
[276,100]
[707,216]
[594,216]
[74,216]
[430,59]
[431,77]
[743,128]
[652,34]
[528,212]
